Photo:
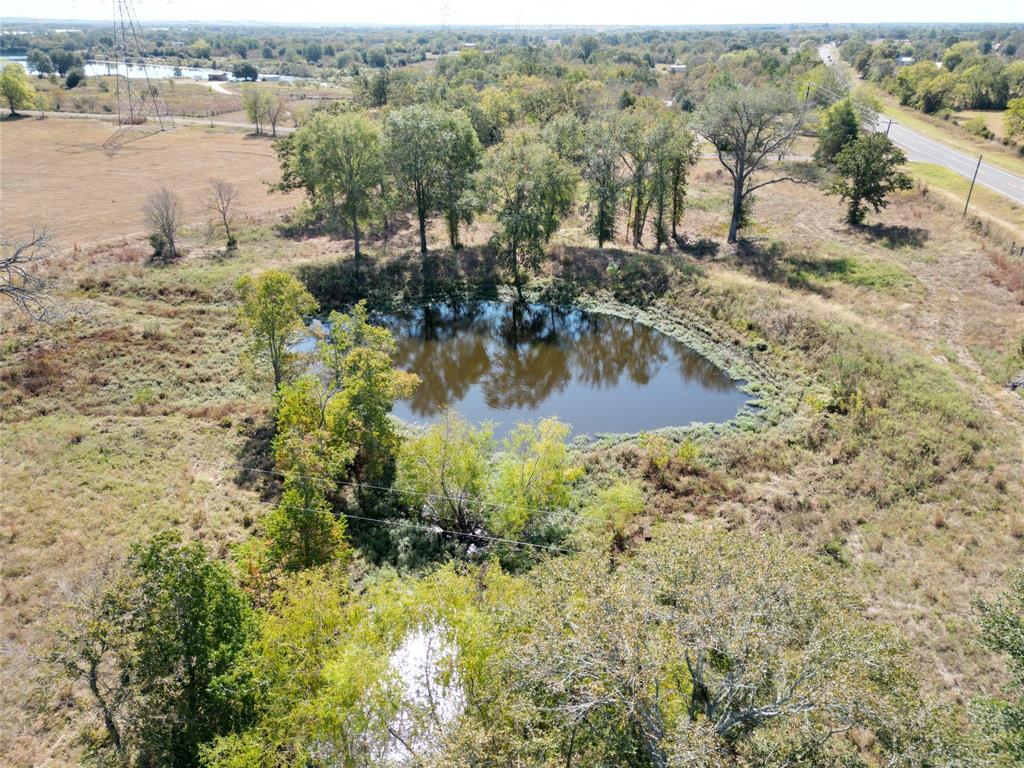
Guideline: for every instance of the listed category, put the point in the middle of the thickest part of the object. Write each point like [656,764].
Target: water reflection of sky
[494,361]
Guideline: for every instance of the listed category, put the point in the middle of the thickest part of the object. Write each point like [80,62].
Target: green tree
[157,644]
[602,171]
[455,189]
[257,103]
[433,153]
[748,127]
[39,61]
[686,655]
[531,190]
[16,88]
[1013,119]
[338,160]
[1002,630]
[313,450]
[273,307]
[245,71]
[442,473]
[868,170]
[532,475]
[674,152]
[357,358]
[839,126]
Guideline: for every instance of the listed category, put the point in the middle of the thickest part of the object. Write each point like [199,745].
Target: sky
[532,12]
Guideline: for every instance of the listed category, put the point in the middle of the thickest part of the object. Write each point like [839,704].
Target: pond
[506,363]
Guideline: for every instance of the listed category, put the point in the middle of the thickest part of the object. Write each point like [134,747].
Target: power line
[437,529]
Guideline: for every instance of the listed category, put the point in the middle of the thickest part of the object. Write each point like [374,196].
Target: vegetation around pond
[219,557]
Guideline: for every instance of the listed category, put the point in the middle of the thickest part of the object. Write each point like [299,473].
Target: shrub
[976,126]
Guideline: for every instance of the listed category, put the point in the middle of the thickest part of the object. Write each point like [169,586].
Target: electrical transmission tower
[140,109]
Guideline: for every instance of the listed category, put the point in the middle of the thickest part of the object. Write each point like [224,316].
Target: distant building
[904,61]
[217,76]
[676,69]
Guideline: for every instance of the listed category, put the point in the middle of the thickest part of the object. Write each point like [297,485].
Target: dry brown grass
[54,173]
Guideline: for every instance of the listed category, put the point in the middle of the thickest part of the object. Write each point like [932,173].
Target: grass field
[129,415]
[56,174]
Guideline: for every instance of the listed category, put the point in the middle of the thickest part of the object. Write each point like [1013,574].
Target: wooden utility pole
[975,178]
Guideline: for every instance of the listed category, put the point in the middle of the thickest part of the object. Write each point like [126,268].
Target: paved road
[926,150]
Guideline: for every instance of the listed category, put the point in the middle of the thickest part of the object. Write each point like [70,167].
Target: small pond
[506,363]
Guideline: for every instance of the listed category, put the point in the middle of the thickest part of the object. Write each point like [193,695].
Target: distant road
[176,119]
[923,149]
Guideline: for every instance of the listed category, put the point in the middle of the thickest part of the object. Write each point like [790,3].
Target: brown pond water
[505,363]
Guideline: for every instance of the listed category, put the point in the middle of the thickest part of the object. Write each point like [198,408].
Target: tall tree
[221,199]
[603,172]
[674,151]
[529,187]
[748,127]
[357,365]
[338,160]
[164,214]
[431,152]
[637,151]
[257,103]
[869,170]
[455,190]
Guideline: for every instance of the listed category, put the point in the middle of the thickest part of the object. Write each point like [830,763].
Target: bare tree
[748,127]
[164,215]
[222,197]
[18,279]
[276,109]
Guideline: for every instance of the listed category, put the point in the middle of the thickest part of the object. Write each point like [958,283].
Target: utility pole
[969,191]
[887,128]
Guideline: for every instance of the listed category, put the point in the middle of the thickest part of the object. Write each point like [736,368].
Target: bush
[638,279]
[159,244]
[74,78]
[977,127]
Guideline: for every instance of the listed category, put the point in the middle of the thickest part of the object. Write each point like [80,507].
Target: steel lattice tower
[140,109]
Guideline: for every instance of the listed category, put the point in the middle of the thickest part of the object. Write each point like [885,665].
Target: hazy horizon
[398,13]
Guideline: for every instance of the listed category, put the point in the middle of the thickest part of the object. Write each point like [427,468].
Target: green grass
[1008,214]
[851,271]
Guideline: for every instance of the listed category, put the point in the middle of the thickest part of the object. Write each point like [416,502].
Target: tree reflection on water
[518,355]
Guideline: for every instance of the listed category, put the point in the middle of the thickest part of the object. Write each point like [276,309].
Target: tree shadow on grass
[897,236]
[255,460]
[768,262]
